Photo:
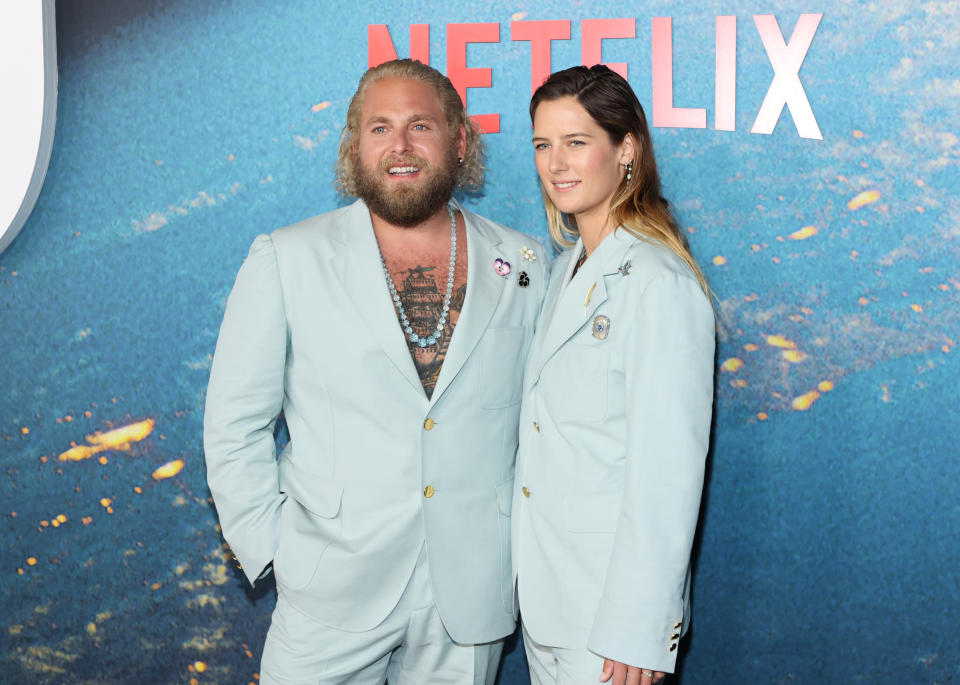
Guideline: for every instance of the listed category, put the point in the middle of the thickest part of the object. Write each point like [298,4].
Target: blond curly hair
[469,173]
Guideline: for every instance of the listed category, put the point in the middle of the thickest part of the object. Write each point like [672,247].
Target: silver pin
[625,268]
[601,327]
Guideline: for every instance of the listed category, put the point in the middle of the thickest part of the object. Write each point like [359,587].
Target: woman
[618,400]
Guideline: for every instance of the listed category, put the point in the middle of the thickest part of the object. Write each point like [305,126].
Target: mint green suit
[310,330]
[614,433]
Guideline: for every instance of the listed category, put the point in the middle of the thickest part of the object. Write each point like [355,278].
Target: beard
[413,203]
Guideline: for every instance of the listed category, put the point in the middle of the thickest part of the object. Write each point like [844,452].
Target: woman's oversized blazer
[614,432]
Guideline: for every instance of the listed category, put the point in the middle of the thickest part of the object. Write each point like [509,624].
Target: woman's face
[578,165]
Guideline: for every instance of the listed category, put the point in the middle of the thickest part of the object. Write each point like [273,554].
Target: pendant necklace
[433,338]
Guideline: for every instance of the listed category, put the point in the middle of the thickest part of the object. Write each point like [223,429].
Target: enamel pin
[601,327]
[527,254]
[523,280]
[501,266]
[625,268]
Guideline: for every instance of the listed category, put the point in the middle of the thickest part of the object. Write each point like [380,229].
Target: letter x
[786,89]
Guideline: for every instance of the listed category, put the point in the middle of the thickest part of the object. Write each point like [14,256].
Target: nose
[400,141]
[557,161]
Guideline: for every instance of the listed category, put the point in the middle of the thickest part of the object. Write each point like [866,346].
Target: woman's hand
[623,674]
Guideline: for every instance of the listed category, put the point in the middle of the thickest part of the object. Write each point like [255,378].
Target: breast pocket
[501,367]
[575,383]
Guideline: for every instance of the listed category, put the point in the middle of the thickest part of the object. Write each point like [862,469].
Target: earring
[459,160]
[629,168]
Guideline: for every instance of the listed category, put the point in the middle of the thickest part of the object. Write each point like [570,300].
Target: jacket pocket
[576,384]
[318,495]
[309,522]
[501,367]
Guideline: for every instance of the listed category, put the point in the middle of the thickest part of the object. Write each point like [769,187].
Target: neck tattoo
[434,337]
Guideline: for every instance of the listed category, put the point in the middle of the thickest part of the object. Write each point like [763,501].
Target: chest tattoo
[422,300]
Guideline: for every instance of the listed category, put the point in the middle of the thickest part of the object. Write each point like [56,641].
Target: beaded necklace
[442,321]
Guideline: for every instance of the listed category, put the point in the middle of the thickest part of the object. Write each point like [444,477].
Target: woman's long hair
[637,206]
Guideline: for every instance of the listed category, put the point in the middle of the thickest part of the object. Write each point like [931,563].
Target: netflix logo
[785,57]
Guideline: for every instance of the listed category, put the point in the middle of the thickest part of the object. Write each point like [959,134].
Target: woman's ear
[628,149]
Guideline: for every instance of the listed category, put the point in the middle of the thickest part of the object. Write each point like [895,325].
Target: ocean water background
[830,535]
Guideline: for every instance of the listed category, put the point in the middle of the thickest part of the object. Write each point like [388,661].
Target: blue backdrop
[829,542]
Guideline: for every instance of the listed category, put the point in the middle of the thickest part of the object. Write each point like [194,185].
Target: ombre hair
[469,173]
[637,205]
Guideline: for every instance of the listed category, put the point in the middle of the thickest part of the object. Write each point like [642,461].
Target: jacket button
[428,424]
[536,426]
[428,491]
[525,491]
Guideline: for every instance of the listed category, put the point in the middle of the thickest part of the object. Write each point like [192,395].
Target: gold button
[525,491]
[428,424]
[673,646]
[678,624]
[675,636]
[428,491]
[537,426]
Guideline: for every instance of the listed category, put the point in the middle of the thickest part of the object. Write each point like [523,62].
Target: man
[391,333]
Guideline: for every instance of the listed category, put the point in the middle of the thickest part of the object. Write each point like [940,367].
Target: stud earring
[459,160]
[629,168]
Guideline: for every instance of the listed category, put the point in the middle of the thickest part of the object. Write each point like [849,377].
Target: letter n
[380,46]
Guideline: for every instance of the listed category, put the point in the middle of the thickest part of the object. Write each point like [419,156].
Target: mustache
[411,160]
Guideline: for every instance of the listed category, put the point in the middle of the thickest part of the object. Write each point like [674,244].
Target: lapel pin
[522,279]
[586,302]
[501,266]
[528,254]
[625,268]
[601,326]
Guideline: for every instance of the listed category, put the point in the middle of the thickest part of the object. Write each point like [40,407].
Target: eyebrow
[420,116]
[567,136]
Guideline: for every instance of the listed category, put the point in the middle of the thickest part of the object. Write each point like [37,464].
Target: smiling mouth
[564,185]
[402,170]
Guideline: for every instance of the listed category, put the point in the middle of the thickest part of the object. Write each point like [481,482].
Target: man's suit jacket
[373,468]
[614,433]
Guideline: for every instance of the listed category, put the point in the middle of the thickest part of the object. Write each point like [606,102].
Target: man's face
[406,160]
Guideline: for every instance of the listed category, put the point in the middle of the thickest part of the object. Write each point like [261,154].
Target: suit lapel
[559,277]
[484,289]
[579,297]
[360,272]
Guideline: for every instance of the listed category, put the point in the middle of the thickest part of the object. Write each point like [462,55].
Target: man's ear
[461,142]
